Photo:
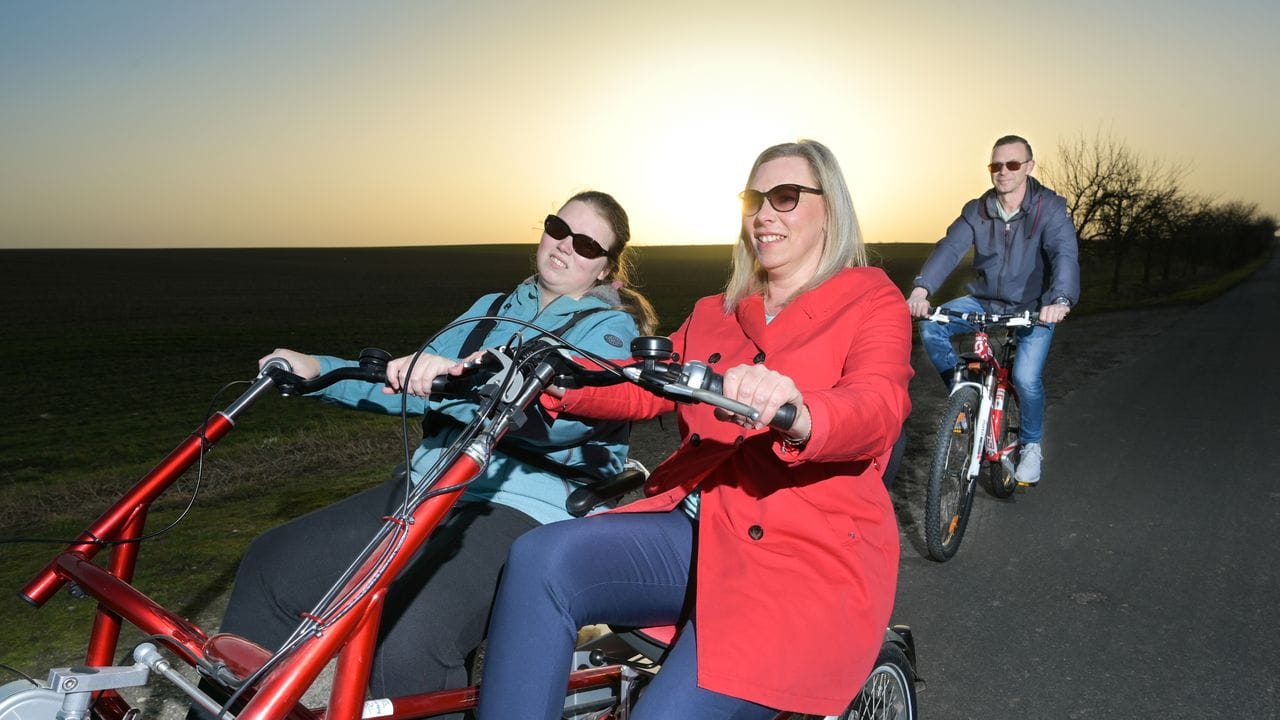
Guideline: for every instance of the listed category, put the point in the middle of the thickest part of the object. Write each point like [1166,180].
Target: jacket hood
[604,292]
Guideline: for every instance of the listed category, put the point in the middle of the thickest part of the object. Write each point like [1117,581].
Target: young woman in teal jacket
[437,610]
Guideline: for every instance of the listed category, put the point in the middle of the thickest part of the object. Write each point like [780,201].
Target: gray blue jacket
[598,447]
[1024,263]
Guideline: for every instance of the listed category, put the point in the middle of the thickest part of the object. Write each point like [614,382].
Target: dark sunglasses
[783,198]
[584,245]
[1013,165]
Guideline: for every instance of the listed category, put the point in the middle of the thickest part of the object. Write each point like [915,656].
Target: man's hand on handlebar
[765,390]
[918,302]
[303,365]
[1054,313]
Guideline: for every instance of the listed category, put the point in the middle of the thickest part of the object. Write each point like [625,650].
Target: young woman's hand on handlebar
[425,370]
[303,365]
[765,390]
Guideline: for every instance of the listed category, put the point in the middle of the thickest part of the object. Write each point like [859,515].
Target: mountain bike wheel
[949,495]
[1000,480]
[889,692]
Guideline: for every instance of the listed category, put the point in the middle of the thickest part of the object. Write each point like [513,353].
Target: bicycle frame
[601,689]
[994,386]
[350,638]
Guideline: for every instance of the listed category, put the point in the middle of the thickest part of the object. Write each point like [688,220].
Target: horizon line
[369,247]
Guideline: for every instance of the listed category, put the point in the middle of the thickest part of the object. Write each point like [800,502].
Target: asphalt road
[1139,580]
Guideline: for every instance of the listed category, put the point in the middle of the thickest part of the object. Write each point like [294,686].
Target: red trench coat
[797,557]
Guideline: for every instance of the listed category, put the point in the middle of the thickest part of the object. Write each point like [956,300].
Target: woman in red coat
[776,553]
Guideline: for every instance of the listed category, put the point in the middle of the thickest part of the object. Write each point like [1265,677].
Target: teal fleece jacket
[598,447]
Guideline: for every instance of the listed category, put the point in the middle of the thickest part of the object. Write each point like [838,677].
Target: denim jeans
[1033,351]
[628,569]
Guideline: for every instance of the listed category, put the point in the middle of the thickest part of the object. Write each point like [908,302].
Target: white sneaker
[1029,466]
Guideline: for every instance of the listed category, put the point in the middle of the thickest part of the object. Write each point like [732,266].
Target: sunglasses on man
[1013,165]
[584,245]
[783,198]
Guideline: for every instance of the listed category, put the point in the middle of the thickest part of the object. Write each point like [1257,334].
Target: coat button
[756,532]
[715,358]
[695,440]
[738,440]
[759,358]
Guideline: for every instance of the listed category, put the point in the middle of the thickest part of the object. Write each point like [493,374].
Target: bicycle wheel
[950,493]
[889,692]
[1000,480]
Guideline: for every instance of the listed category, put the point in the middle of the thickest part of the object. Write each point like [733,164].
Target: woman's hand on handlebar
[765,390]
[425,370]
[303,365]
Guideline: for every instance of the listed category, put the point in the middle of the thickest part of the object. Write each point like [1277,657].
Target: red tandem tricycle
[261,684]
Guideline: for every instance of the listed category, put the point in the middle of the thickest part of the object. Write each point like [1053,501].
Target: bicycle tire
[949,496]
[890,690]
[1000,482]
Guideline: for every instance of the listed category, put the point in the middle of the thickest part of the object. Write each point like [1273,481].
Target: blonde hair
[843,247]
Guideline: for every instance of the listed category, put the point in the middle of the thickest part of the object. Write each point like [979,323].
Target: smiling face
[788,245]
[561,271]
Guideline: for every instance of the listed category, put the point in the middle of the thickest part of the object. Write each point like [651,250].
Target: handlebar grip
[372,368]
[475,374]
[589,497]
[455,386]
[784,418]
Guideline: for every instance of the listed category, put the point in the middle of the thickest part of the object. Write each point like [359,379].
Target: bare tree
[1118,200]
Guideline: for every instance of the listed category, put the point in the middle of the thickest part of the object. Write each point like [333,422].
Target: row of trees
[1129,210]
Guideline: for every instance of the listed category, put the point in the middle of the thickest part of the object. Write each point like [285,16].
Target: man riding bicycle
[1025,259]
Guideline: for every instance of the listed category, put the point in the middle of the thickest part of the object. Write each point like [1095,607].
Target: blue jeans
[1033,351]
[624,569]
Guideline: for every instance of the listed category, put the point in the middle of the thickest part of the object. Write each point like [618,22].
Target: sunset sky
[185,124]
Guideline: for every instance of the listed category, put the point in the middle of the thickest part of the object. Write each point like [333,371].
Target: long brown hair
[620,266]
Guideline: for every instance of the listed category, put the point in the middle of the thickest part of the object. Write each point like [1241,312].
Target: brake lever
[507,368]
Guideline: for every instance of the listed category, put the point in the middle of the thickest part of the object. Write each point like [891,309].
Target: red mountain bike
[977,433]
[258,684]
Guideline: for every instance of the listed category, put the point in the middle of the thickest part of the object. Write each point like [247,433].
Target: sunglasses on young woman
[584,245]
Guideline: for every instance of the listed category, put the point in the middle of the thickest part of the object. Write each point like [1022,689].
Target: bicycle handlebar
[944,315]
[653,370]
[372,368]
[692,381]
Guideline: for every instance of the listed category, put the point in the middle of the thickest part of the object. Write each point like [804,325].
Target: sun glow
[687,187]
